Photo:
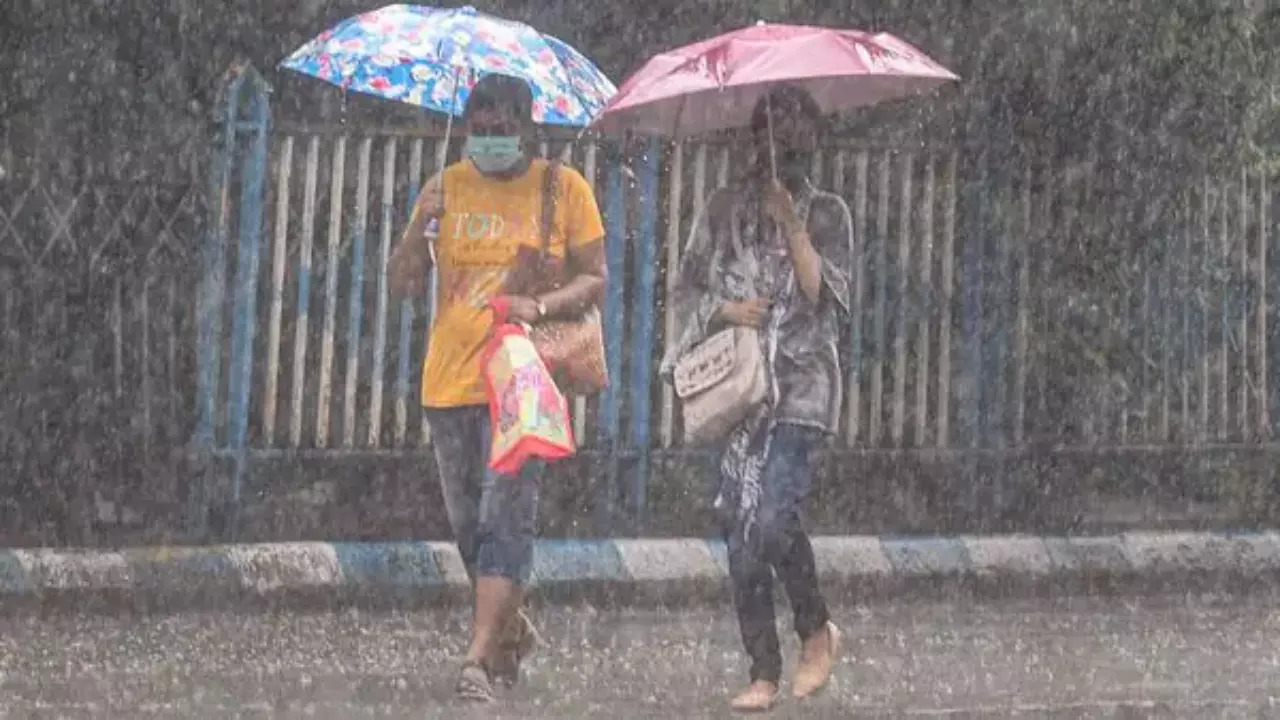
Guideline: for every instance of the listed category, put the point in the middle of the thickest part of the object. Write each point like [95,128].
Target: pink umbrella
[715,84]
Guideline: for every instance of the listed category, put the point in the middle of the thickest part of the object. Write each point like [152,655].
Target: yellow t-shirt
[485,221]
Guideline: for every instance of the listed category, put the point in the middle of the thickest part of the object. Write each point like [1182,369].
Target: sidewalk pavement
[630,571]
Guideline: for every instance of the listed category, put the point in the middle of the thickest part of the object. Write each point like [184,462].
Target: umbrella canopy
[432,57]
[715,84]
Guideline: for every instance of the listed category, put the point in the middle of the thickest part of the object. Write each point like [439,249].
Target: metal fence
[1000,305]
[95,318]
[996,305]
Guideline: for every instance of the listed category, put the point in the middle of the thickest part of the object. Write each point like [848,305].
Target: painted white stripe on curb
[273,567]
[1201,551]
[1165,551]
[657,560]
[449,562]
[1260,552]
[60,570]
[1008,554]
[837,556]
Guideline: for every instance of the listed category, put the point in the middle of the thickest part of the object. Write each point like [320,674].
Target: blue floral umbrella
[432,57]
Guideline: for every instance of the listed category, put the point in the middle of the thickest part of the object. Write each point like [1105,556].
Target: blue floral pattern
[432,57]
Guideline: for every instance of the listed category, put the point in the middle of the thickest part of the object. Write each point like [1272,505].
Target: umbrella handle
[773,155]
[442,152]
[768,121]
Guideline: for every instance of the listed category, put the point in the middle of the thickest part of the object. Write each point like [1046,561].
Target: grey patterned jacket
[806,372]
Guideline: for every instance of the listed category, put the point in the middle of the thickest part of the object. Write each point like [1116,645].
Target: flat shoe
[760,696]
[813,672]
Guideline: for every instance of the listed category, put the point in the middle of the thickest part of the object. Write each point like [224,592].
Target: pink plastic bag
[528,415]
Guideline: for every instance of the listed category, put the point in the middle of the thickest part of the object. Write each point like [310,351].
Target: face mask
[494,153]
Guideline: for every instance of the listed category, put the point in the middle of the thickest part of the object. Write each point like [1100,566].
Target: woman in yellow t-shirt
[485,212]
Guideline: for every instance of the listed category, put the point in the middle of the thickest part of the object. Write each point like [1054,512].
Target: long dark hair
[785,96]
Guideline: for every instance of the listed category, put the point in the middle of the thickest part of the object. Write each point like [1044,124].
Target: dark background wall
[100,86]
[114,102]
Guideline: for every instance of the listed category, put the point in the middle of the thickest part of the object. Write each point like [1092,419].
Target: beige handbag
[572,347]
[721,380]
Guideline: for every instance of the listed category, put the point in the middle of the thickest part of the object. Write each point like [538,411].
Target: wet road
[1067,659]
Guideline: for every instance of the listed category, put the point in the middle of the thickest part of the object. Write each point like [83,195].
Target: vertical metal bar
[1187,292]
[11,313]
[1242,296]
[700,178]
[433,283]
[580,402]
[380,310]
[699,189]
[925,294]
[10,309]
[972,300]
[1046,325]
[853,390]
[1073,196]
[947,281]
[1224,349]
[675,188]
[615,261]
[406,357]
[355,295]
[1130,316]
[147,392]
[876,414]
[1165,300]
[278,259]
[1206,276]
[245,314]
[301,330]
[174,326]
[998,298]
[1146,310]
[902,331]
[1260,362]
[325,398]
[117,337]
[643,323]
[213,280]
[1096,424]
[1024,296]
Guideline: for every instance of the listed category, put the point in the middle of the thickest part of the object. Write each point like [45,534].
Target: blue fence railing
[996,303]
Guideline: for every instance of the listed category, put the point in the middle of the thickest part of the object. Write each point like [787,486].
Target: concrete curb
[631,570]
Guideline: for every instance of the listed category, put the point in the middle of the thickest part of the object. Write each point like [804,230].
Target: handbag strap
[550,182]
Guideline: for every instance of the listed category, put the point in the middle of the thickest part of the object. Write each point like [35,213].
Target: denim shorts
[494,517]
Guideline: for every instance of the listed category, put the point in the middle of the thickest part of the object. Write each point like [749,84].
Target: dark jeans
[494,517]
[777,543]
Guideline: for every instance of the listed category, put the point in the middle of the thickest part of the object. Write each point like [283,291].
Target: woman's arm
[584,255]
[822,250]
[586,286]
[807,262]
[409,262]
